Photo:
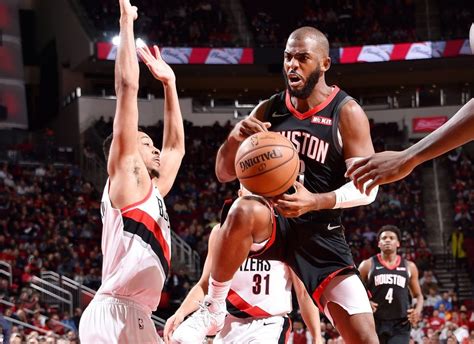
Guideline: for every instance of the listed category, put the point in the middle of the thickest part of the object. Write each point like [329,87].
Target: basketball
[267,164]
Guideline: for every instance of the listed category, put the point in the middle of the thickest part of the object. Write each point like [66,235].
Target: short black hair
[390,228]
[108,142]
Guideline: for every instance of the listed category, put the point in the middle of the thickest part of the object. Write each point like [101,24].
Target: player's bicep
[170,163]
[355,131]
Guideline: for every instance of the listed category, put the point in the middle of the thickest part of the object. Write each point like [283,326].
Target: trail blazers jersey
[316,137]
[260,288]
[136,246]
[389,288]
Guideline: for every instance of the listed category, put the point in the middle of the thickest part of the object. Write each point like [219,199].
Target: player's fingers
[157,52]
[267,124]
[144,55]
[371,185]
[360,182]
[355,166]
[255,123]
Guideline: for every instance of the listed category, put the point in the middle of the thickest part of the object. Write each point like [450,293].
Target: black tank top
[315,137]
[389,288]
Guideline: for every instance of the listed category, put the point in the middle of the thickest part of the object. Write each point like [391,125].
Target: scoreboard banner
[343,55]
[428,124]
[179,55]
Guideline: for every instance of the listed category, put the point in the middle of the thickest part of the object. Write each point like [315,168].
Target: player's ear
[326,64]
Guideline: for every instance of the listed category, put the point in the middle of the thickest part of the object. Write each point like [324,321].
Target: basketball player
[136,233]
[387,167]
[258,302]
[389,279]
[329,130]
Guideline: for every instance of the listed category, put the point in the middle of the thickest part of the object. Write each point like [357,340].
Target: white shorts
[112,320]
[349,293]
[250,330]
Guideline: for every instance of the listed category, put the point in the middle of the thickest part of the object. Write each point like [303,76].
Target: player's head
[389,238]
[148,152]
[306,59]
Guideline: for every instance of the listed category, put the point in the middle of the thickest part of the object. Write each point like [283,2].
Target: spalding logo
[275,153]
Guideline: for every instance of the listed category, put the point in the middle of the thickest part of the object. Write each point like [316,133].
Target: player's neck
[389,257]
[319,94]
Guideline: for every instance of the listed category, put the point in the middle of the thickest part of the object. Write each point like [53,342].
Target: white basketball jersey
[136,245]
[260,288]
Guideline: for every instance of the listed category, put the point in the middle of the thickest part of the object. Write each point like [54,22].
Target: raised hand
[127,10]
[157,66]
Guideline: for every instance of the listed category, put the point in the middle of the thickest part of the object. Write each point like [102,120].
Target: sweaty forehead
[388,234]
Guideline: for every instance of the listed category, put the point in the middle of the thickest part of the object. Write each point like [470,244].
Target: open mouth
[294,80]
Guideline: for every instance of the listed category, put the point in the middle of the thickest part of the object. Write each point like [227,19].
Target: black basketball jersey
[315,136]
[389,288]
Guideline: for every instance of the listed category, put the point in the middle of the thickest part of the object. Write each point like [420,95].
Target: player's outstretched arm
[129,179]
[387,167]
[172,151]
[195,295]
[225,170]
[308,309]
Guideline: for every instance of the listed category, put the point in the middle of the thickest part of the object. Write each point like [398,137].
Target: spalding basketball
[267,164]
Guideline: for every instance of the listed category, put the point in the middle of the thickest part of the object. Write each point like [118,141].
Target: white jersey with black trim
[260,288]
[136,248]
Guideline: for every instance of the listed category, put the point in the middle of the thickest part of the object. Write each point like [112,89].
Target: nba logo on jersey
[140,324]
[321,120]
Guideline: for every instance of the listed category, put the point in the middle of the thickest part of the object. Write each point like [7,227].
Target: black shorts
[393,331]
[316,251]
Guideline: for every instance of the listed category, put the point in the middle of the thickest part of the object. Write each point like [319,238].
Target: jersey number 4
[258,281]
[389,296]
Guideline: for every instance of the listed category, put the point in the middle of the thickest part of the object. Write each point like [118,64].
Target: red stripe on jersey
[242,305]
[139,202]
[320,289]
[384,263]
[142,217]
[312,111]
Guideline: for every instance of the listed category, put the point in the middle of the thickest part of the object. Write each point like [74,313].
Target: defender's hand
[380,168]
[296,204]
[248,127]
[157,66]
[171,325]
[127,10]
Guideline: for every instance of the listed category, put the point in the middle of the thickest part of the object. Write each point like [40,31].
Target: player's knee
[247,214]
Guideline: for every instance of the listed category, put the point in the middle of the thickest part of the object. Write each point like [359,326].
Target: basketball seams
[295,172]
[267,145]
[271,169]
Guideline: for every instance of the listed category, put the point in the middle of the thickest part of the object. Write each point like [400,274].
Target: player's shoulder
[259,111]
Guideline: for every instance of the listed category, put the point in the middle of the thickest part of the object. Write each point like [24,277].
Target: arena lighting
[140,43]
[116,40]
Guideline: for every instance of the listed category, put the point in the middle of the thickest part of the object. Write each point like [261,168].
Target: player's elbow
[224,176]
[123,85]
